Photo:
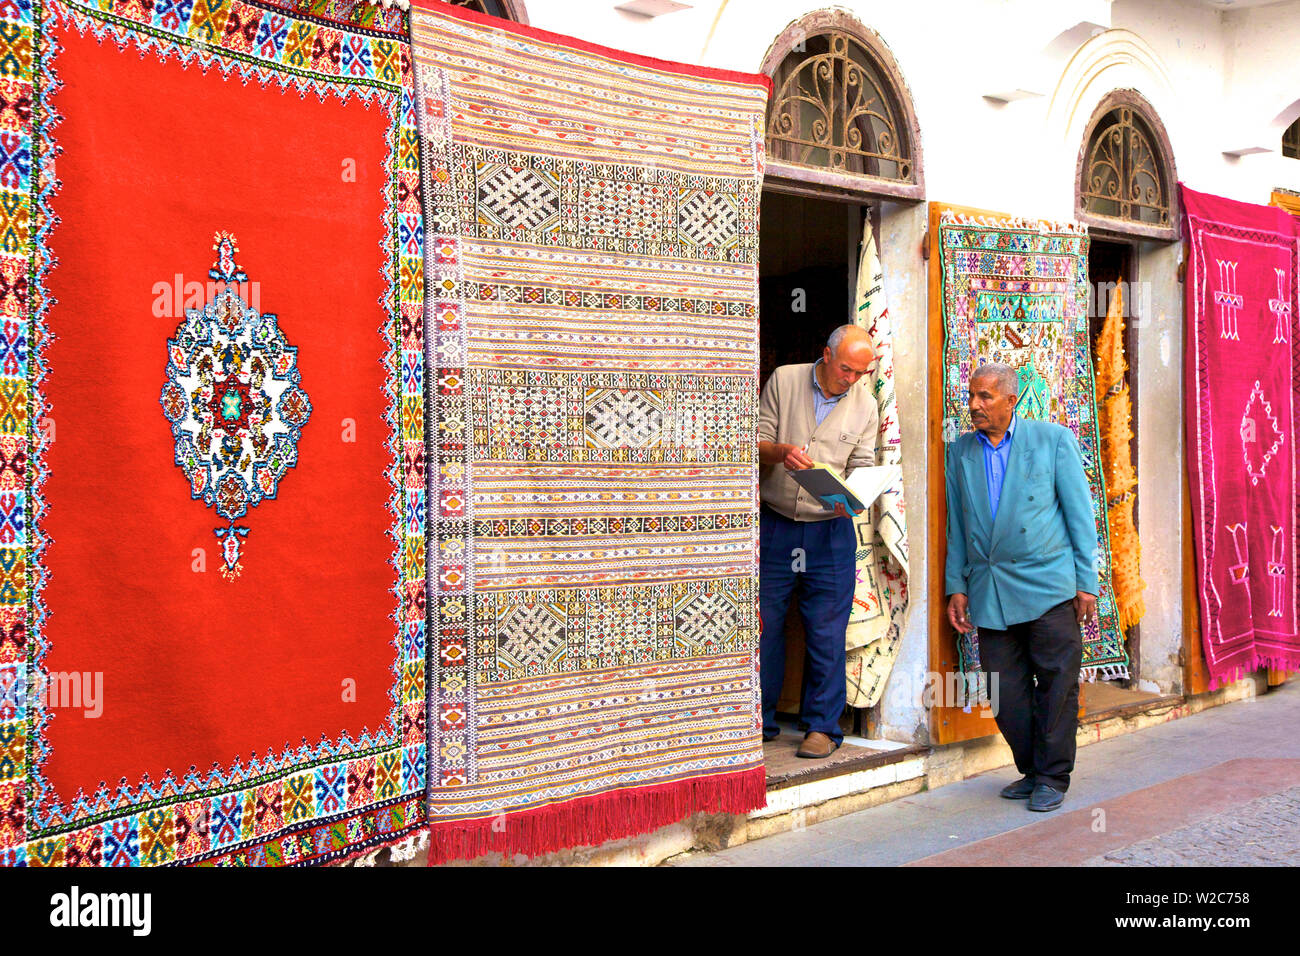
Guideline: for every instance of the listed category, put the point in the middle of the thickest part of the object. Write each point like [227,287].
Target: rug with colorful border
[212,605]
[1016,291]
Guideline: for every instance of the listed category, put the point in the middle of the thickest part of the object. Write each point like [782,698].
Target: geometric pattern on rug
[591,298]
[529,197]
[1016,292]
[1241,403]
[548,631]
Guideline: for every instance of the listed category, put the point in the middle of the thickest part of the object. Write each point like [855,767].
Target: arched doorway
[1126,192]
[843,146]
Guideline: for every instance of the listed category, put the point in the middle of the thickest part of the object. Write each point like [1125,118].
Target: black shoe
[1045,798]
[770,735]
[1020,790]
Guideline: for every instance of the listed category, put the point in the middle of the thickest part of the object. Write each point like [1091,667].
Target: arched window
[1291,140]
[506,9]
[1126,182]
[840,119]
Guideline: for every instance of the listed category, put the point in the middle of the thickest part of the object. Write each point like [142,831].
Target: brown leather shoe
[816,745]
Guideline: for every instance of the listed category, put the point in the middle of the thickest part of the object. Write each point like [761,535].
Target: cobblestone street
[1263,832]
[1218,788]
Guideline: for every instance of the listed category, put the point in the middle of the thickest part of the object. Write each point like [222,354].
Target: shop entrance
[1112,269]
[808,261]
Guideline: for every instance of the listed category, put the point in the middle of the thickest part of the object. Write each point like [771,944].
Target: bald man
[813,412]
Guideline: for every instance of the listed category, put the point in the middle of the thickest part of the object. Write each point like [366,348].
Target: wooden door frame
[1287,201]
[1196,675]
[947,724]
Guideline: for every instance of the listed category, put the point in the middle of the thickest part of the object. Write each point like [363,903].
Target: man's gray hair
[833,343]
[1005,376]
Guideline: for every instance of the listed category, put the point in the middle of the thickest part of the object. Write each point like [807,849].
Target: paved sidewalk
[1263,832]
[1221,787]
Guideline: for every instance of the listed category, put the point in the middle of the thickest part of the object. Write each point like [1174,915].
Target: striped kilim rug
[1016,291]
[212,573]
[592,313]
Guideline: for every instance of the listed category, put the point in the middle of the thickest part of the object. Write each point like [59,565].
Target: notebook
[856,493]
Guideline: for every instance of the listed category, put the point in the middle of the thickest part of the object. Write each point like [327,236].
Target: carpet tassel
[590,821]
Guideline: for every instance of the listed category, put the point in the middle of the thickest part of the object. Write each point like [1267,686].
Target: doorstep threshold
[856,754]
[1131,710]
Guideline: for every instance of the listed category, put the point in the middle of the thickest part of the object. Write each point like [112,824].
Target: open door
[948,724]
[808,273]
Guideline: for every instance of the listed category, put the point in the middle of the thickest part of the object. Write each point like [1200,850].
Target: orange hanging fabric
[1115,412]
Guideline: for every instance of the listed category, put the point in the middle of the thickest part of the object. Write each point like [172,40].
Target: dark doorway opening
[808,260]
[1112,266]
[808,264]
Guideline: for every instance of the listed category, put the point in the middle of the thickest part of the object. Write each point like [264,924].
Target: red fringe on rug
[589,821]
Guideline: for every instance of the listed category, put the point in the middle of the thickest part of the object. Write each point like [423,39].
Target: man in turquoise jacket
[1022,567]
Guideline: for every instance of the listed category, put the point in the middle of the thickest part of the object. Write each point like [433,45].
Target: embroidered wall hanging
[880,597]
[1242,380]
[1016,291]
[592,308]
[212,323]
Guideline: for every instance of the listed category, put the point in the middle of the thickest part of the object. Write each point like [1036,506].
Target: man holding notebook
[811,413]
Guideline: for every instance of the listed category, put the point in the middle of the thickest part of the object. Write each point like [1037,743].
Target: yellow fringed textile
[1114,414]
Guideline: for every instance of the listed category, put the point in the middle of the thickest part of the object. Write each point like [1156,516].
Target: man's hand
[1085,606]
[958,617]
[780,453]
[796,459]
[842,512]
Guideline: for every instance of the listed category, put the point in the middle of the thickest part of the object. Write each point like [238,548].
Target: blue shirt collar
[1006,439]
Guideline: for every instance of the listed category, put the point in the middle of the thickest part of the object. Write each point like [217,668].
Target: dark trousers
[816,558]
[1037,665]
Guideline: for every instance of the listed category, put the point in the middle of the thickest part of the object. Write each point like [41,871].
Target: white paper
[869,483]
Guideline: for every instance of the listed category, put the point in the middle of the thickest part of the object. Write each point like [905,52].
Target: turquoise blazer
[1043,546]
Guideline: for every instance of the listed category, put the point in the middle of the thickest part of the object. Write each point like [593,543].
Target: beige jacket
[846,438]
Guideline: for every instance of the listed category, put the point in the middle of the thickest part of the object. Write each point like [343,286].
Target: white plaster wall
[1219,80]
[902,229]
[1159,334]
[1261,88]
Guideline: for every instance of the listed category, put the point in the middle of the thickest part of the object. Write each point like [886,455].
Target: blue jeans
[818,559]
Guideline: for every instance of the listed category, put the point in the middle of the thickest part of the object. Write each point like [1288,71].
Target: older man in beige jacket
[812,412]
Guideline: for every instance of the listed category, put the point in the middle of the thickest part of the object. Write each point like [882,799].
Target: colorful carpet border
[1114,662]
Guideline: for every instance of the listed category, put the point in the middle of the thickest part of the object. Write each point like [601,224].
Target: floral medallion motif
[234,401]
